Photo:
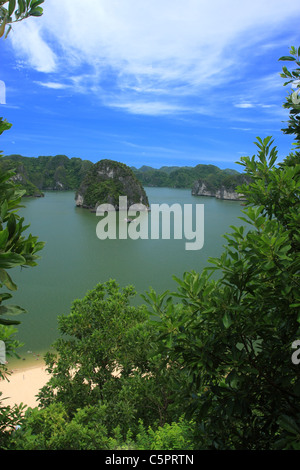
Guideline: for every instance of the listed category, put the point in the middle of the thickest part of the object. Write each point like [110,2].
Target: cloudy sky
[166,82]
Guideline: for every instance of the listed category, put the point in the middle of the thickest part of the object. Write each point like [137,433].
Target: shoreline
[23,384]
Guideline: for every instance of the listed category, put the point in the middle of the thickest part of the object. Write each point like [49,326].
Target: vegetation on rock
[106,181]
[46,173]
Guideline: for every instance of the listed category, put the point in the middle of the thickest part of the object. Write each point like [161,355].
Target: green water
[74,260]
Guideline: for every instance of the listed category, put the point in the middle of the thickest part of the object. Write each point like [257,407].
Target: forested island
[60,172]
[105,181]
[44,173]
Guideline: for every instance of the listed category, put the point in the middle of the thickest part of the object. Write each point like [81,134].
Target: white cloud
[27,40]
[149,108]
[53,85]
[136,54]
[244,105]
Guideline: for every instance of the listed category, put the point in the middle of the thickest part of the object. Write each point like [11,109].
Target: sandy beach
[24,384]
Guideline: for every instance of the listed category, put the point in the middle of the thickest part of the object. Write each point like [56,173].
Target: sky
[148,82]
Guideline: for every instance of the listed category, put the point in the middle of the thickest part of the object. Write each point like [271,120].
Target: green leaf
[9,260]
[287,423]
[5,322]
[8,30]
[3,238]
[38,11]
[227,320]
[11,7]
[6,280]
[2,28]
[287,57]
[5,296]
[36,3]
[11,225]
[4,125]
[11,310]
[22,6]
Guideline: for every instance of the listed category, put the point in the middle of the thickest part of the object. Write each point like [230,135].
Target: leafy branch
[17,11]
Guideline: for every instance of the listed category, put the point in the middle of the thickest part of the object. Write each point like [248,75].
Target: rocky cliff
[202,188]
[22,180]
[105,182]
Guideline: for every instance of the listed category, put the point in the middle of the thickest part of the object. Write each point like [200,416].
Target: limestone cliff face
[202,188]
[105,182]
[231,194]
[21,179]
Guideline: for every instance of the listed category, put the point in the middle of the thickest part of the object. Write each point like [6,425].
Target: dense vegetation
[35,175]
[207,367]
[106,181]
[16,249]
[185,177]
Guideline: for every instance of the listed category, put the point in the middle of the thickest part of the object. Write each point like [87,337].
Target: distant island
[44,173]
[105,181]
[203,180]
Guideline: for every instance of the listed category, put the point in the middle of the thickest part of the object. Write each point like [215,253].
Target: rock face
[201,188]
[21,179]
[105,182]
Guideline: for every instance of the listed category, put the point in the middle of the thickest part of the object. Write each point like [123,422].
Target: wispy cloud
[39,54]
[153,57]
[244,105]
[53,85]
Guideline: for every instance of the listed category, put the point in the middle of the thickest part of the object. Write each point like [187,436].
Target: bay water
[74,260]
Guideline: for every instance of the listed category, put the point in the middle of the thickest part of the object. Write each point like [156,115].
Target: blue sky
[166,82]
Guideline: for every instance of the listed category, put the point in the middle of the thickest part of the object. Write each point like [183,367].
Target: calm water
[74,260]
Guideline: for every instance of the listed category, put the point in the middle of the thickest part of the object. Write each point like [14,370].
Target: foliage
[106,356]
[293,99]
[15,249]
[46,172]
[17,11]
[10,419]
[174,436]
[185,177]
[62,173]
[51,429]
[233,336]
[106,181]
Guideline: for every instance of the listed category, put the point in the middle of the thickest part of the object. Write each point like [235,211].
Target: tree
[17,11]
[107,356]
[15,249]
[293,99]
[232,335]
